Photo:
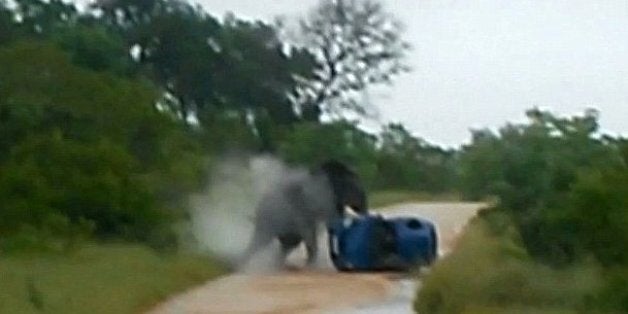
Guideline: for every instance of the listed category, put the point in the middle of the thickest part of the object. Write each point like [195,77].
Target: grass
[493,274]
[384,198]
[98,279]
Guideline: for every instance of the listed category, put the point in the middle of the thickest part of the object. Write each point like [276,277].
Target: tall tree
[173,40]
[357,43]
[207,67]
[41,18]
[92,46]
[252,50]
[256,76]
[6,23]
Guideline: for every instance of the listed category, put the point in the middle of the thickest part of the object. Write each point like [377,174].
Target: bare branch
[357,44]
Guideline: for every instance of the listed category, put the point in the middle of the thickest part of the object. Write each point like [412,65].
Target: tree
[7,24]
[408,162]
[532,169]
[252,50]
[39,18]
[356,44]
[80,145]
[93,47]
[172,40]
[312,143]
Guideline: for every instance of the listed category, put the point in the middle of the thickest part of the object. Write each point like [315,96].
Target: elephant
[292,211]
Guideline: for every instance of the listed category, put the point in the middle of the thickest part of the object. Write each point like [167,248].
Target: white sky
[480,63]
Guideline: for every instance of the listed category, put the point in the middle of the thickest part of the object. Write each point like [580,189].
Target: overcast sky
[480,63]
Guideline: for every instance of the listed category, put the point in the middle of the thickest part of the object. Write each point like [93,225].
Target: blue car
[375,243]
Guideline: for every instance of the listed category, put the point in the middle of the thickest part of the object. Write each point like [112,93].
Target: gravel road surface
[322,290]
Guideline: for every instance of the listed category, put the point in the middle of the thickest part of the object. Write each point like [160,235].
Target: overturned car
[375,243]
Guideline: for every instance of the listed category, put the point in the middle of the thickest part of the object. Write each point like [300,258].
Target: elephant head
[346,186]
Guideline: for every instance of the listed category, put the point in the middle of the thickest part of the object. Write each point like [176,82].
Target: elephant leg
[288,243]
[311,245]
[258,241]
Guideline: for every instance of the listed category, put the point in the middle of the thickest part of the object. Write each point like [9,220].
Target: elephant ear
[339,175]
[336,169]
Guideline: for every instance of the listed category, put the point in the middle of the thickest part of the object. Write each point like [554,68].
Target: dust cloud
[222,217]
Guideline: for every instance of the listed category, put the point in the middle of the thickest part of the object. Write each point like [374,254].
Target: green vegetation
[380,199]
[101,165]
[109,121]
[494,274]
[394,160]
[118,278]
[562,203]
[111,117]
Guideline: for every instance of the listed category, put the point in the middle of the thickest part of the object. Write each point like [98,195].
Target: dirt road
[322,290]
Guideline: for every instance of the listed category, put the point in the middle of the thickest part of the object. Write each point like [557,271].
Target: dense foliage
[80,147]
[111,116]
[555,177]
[562,184]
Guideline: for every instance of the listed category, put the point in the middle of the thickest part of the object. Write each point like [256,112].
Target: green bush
[310,144]
[80,148]
[49,176]
[598,211]
[56,234]
[562,201]
[532,169]
[492,273]
[613,296]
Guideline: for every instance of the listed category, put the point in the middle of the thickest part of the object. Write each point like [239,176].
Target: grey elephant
[292,211]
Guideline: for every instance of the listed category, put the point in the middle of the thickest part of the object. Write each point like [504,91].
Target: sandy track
[323,290]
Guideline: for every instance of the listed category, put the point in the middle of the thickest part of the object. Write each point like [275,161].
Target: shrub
[309,144]
[49,178]
[491,273]
[613,296]
[82,148]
